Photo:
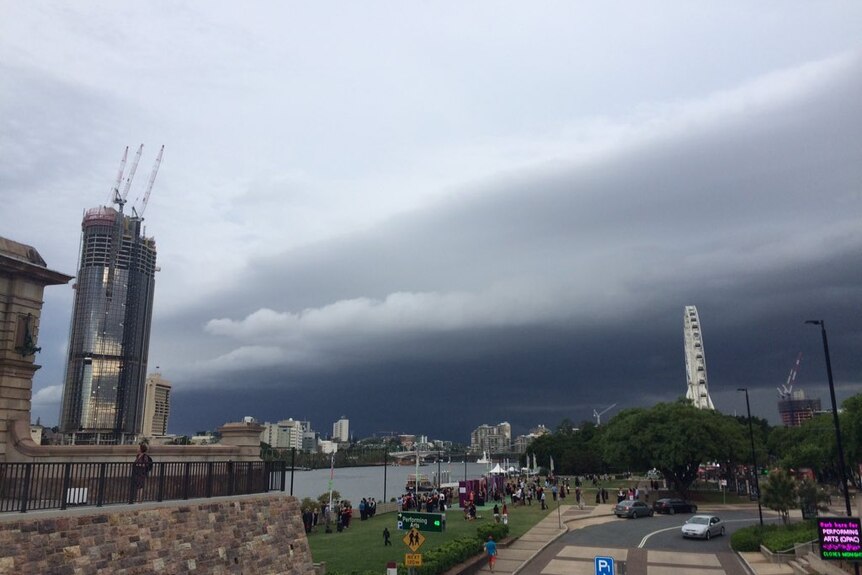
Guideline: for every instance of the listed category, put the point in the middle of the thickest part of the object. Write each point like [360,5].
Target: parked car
[672,506]
[633,509]
[703,527]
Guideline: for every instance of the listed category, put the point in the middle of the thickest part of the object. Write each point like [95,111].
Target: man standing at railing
[140,469]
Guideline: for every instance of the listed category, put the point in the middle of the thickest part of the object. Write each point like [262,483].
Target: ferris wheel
[695,361]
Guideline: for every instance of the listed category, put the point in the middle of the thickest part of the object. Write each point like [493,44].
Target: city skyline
[495,209]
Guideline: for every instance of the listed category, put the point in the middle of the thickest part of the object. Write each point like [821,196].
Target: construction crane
[786,390]
[130,177]
[139,213]
[115,189]
[598,414]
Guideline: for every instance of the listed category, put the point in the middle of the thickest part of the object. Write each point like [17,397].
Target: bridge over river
[402,457]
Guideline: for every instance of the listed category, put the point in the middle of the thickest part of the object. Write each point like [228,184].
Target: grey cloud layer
[503,208]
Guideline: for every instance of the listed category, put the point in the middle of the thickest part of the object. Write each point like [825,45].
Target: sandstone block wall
[249,535]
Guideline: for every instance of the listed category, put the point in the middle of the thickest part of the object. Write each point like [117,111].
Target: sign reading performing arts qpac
[840,538]
[435,522]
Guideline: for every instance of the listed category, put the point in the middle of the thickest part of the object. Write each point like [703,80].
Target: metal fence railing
[39,486]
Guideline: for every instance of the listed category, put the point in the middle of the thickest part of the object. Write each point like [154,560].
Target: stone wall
[23,277]
[249,535]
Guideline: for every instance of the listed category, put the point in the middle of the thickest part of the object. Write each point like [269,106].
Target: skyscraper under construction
[109,337]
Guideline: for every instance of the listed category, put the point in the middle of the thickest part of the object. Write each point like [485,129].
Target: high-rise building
[157,405]
[286,434]
[520,443]
[341,430]
[103,395]
[491,438]
[795,408]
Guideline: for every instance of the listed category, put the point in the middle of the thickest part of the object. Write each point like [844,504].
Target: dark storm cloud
[485,223]
[546,294]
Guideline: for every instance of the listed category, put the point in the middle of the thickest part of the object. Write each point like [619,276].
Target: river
[354,483]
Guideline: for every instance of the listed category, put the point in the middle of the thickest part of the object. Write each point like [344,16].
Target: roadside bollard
[392,568]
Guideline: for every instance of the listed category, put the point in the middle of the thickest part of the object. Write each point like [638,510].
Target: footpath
[511,559]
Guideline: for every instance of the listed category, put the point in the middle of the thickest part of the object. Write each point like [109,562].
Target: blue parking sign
[605,566]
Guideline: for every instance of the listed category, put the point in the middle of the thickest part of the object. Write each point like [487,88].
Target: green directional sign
[429,522]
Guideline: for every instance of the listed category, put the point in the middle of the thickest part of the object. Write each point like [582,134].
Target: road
[645,546]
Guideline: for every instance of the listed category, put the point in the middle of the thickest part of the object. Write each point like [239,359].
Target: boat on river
[424,483]
[485,460]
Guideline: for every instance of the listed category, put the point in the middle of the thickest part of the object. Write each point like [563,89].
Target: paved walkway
[577,560]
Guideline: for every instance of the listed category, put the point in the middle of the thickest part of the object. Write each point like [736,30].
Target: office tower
[157,405]
[109,336]
[340,430]
[695,361]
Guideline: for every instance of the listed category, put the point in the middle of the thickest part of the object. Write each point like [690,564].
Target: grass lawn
[360,547]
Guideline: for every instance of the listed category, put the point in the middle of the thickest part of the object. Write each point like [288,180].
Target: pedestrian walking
[386,536]
[491,550]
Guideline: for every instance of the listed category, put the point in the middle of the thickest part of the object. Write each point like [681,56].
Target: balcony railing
[39,486]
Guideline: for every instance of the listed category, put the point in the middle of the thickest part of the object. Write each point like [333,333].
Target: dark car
[633,509]
[672,506]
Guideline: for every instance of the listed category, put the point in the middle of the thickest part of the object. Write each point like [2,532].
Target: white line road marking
[648,535]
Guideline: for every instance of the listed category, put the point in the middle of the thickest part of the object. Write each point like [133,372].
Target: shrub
[447,556]
[773,537]
[498,531]
[458,550]
[746,539]
[784,538]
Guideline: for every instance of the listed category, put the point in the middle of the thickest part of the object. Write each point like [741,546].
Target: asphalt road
[654,544]
[661,532]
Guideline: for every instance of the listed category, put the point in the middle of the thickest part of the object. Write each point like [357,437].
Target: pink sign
[840,538]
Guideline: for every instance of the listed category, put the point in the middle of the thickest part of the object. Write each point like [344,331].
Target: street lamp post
[841,468]
[753,454]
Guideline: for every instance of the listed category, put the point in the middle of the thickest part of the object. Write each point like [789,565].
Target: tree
[851,430]
[812,445]
[811,496]
[323,498]
[575,451]
[779,493]
[566,427]
[675,438]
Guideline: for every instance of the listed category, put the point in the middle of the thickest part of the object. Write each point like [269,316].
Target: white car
[703,527]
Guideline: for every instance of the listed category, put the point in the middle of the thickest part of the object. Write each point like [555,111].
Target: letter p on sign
[605,566]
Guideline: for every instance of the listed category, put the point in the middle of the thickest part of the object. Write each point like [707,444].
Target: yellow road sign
[413,560]
[414,539]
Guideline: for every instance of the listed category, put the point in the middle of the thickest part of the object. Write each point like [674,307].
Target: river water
[354,483]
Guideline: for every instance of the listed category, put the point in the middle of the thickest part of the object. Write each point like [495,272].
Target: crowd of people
[504,492]
[436,501]
[339,515]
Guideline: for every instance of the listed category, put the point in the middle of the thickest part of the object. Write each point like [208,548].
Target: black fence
[38,486]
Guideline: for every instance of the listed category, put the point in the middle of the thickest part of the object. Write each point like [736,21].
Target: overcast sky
[426,216]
